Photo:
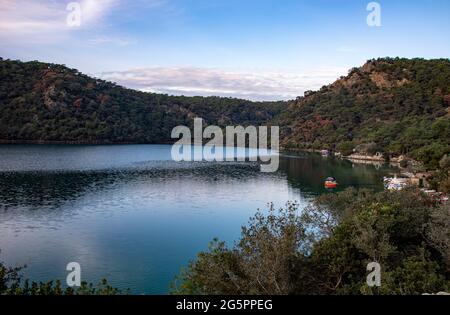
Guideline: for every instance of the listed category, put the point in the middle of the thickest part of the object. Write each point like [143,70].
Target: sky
[252,49]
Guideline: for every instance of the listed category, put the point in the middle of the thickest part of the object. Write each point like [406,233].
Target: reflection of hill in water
[135,220]
[308,171]
[52,189]
[49,191]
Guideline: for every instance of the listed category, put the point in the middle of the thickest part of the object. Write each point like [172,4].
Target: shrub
[325,248]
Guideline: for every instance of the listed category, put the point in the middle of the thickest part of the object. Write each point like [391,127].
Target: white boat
[396,183]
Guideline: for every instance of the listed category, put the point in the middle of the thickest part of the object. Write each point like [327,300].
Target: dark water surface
[130,214]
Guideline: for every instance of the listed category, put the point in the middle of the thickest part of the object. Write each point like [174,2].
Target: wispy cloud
[95,10]
[111,40]
[47,19]
[259,85]
[19,17]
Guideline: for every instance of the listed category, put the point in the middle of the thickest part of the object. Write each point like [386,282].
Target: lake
[130,214]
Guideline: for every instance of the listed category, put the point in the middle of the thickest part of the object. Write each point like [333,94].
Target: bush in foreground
[12,283]
[325,249]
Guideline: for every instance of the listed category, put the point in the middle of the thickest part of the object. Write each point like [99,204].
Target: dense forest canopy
[49,102]
[393,106]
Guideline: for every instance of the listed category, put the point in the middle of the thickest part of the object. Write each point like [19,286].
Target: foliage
[441,177]
[400,106]
[392,106]
[325,248]
[12,283]
[346,148]
[42,102]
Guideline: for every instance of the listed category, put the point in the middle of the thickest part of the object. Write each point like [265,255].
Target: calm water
[131,215]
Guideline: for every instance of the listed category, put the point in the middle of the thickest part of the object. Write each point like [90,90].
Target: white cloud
[111,40]
[24,16]
[258,85]
[95,10]
[46,19]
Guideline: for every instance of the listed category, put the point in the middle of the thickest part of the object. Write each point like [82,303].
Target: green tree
[325,248]
[12,283]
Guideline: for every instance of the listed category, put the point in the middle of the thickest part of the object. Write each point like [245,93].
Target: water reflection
[130,214]
[308,172]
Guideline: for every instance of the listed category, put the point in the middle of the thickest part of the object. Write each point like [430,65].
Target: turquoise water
[130,214]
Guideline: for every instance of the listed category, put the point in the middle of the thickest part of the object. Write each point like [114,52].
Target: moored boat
[330,183]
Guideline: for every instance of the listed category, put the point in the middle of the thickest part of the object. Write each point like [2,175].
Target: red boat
[331,183]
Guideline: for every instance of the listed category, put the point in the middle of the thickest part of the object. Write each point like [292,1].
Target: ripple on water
[130,214]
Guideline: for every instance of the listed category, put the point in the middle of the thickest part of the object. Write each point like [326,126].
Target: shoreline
[355,158]
[358,158]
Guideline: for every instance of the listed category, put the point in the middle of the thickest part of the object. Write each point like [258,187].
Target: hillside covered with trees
[392,106]
[43,102]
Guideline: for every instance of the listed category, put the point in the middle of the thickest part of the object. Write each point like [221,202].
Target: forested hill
[394,106]
[50,103]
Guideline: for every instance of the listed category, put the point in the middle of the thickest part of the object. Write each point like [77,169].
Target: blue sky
[257,49]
